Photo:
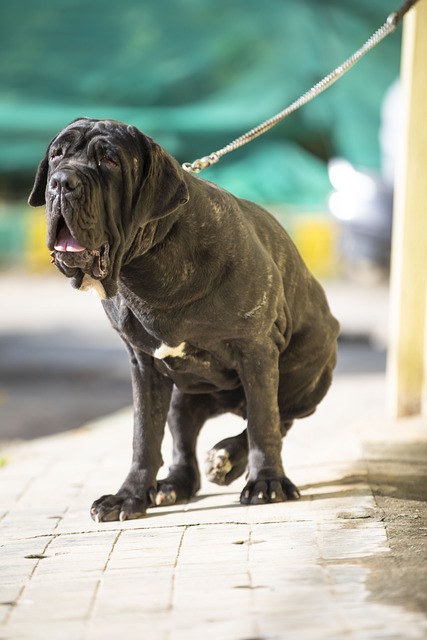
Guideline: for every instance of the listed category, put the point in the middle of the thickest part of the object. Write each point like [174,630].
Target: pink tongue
[66,242]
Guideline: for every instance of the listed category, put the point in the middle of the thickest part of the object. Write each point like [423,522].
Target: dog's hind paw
[227,460]
[218,466]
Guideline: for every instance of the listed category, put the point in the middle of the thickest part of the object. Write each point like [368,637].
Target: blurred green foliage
[195,74]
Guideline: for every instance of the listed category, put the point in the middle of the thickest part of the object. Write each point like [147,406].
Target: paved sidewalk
[346,561]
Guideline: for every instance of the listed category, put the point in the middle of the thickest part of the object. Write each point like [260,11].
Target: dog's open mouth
[69,253]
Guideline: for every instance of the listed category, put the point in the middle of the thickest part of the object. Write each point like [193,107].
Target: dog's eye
[56,153]
[108,161]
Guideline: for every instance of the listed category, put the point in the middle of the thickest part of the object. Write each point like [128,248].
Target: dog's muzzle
[68,254]
[95,262]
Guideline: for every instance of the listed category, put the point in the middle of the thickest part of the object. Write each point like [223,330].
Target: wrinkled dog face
[91,180]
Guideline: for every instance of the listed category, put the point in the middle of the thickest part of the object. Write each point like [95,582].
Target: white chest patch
[94,286]
[165,351]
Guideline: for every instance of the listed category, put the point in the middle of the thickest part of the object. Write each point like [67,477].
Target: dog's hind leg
[228,459]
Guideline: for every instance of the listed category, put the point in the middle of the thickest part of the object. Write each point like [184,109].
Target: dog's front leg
[151,396]
[259,372]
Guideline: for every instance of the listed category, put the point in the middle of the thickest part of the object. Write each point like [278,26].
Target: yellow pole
[406,366]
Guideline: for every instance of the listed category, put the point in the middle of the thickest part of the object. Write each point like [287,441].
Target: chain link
[388,27]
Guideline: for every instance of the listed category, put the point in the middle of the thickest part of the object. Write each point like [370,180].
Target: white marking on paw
[217,465]
[165,351]
[221,459]
[93,286]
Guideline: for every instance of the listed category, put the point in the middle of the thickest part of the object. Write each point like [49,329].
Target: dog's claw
[182,483]
[166,497]
[116,507]
[267,491]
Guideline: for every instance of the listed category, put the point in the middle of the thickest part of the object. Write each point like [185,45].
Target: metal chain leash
[388,27]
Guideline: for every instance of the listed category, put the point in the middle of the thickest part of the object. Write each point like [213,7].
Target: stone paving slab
[210,568]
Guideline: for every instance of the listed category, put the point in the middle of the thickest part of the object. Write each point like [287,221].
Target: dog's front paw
[121,507]
[269,490]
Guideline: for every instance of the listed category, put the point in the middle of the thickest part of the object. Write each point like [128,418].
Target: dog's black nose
[64,181]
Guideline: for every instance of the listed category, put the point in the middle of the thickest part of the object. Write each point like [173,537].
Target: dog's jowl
[214,304]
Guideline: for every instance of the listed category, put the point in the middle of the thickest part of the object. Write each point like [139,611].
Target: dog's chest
[192,368]
[195,370]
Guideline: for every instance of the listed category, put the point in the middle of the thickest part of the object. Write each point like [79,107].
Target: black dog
[214,303]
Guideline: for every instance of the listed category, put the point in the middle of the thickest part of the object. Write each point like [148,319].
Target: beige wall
[407,363]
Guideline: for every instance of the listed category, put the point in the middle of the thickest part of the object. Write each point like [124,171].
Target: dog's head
[103,182]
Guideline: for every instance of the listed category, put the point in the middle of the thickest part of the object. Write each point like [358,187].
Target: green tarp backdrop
[195,74]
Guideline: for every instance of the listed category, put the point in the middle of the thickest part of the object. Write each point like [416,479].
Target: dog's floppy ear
[37,195]
[163,188]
